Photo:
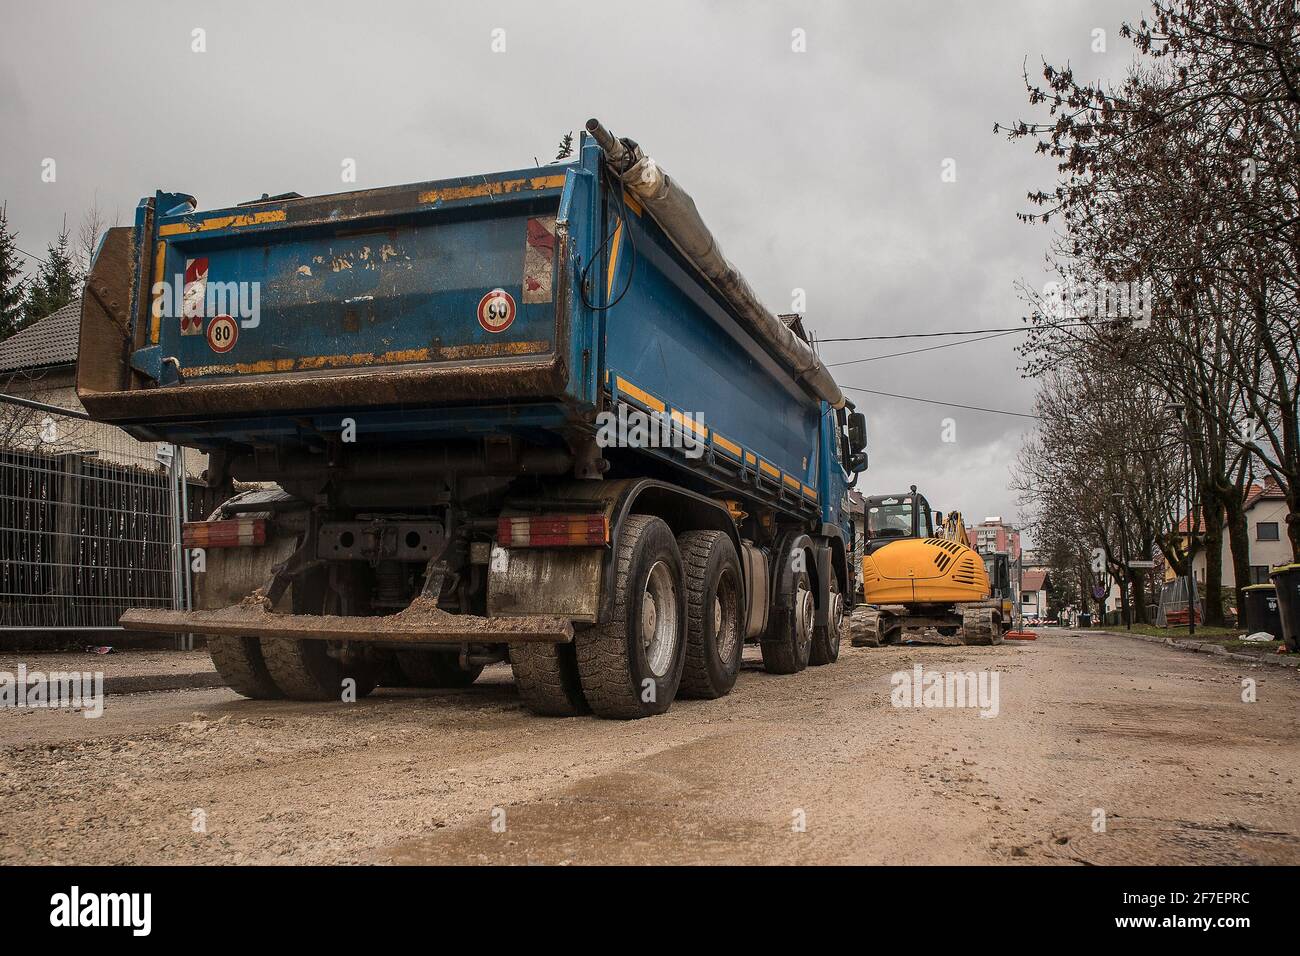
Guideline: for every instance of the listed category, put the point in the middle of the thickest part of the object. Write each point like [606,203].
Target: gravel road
[819,767]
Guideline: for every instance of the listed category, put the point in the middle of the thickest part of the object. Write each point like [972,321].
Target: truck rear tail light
[232,533]
[553,531]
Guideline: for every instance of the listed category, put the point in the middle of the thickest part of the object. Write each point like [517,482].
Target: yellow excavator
[916,576]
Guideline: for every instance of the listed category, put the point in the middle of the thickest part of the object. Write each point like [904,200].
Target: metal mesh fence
[89,522]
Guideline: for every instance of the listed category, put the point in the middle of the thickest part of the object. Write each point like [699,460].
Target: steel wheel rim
[659,617]
[726,627]
[804,612]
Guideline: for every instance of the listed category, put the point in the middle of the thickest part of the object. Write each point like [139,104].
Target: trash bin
[1085,619]
[1287,581]
[1261,609]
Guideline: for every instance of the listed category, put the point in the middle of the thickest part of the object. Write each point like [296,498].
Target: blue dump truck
[532,416]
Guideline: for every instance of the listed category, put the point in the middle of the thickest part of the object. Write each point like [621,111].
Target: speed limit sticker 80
[223,333]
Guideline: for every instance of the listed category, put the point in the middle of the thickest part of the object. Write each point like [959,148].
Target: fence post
[174,465]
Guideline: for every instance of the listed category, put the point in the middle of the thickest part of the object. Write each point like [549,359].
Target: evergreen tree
[566,148]
[12,280]
[57,281]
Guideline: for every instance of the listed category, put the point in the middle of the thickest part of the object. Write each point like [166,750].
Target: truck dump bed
[521,302]
[354,300]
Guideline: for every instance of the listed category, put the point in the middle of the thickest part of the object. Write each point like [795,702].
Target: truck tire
[714,628]
[305,669]
[434,669]
[787,642]
[239,662]
[631,665]
[547,678]
[827,638]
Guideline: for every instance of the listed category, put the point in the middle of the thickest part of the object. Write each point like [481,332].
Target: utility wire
[932,401]
[929,335]
[928,348]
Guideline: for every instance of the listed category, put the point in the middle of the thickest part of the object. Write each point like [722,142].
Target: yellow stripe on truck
[500,187]
[613,262]
[645,398]
[222,222]
[690,423]
[727,443]
[155,320]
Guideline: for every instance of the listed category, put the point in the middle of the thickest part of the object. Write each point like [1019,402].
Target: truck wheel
[714,625]
[631,665]
[826,640]
[787,642]
[305,670]
[239,662]
[434,669]
[547,678]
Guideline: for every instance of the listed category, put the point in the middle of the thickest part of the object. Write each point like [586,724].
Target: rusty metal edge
[416,625]
[391,385]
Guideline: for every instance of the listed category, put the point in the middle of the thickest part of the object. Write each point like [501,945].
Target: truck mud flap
[421,623]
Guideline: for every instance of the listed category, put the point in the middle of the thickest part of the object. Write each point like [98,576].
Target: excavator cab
[896,517]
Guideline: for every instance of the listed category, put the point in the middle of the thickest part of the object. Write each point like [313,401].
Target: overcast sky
[818,170]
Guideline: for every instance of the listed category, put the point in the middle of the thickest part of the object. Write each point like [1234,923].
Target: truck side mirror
[858,463]
[857,431]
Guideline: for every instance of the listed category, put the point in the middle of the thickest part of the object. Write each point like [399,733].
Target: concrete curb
[146,683]
[1218,650]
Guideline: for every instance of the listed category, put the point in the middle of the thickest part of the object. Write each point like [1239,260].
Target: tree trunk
[1293,521]
[1213,559]
[1138,587]
[1239,545]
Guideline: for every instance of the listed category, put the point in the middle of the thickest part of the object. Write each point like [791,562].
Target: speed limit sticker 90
[223,332]
[496,310]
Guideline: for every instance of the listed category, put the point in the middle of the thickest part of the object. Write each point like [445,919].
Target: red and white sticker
[223,333]
[192,298]
[496,310]
[539,259]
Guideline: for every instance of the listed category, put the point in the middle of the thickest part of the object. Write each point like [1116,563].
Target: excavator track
[981,625]
[874,626]
[864,626]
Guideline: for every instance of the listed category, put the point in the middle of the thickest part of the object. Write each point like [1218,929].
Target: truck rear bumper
[391,385]
[421,623]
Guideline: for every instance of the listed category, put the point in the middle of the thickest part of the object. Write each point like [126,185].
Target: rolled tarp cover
[674,210]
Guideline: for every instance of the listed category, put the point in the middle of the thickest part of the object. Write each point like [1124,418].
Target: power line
[932,401]
[928,348]
[930,335]
[32,257]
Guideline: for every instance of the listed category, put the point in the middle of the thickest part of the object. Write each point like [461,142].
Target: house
[40,363]
[1034,587]
[1266,513]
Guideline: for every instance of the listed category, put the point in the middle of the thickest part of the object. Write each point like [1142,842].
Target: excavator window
[892,518]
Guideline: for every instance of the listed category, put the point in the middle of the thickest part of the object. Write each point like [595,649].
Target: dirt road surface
[814,768]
